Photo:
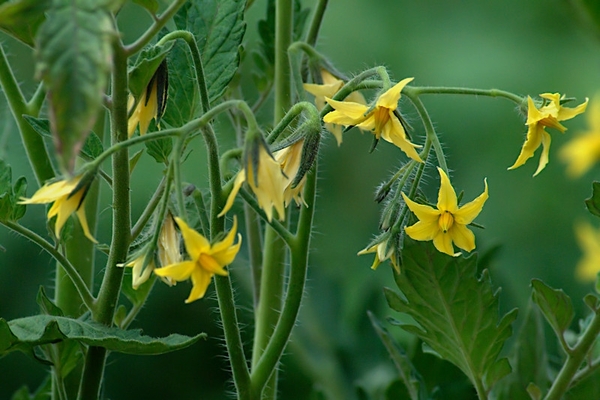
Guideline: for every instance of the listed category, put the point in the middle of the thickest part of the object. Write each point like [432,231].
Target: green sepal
[146,64]
[593,202]
[25,334]
[22,18]
[10,195]
[74,60]
[410,378]
[454,312]
[554,304]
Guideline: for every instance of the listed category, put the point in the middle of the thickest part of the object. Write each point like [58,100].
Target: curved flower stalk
[330,86]
[68,197]
[382,119]
[206,259]
[549,115]
[583,151]
[448,223]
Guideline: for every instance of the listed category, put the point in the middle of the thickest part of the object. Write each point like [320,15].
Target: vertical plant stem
[121,229]
[32,141]
[271,288]
[315,23]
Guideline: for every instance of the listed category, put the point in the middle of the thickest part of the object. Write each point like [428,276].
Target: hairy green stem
[32,141]
[80,284]
[419,90]
[315,23]
[574,360]
[295,288]
[149,210]
[121,228]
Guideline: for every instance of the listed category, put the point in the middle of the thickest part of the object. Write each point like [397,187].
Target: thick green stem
[315,23]
[263,370]
[121,229]
[32,141]
[271,288]
[574,360]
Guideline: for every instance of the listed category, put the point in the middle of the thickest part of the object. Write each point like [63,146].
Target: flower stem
[418,90]
[574,360]
[71,271]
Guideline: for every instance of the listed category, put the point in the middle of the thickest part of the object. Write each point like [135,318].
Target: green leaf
[42,393]
[10,209]
[528,358]
[555,305]
[150,5]
[219,40]
[593,203]
[160,149]
[92,147]
[24,334]
[409,376]
[47,306]
[133,160]
[455,313]
[74,60]
[145,66]
[22,18]
[586,388]
[40,125]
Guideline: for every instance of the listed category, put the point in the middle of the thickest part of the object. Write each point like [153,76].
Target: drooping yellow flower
[584,150]
[331,85]
[68,198]
[139,274]
[289,159]
[152,103]
[589,242]
[206,259]
[266,179]
[448,223]
[383,251]
[550,116]
[381,120]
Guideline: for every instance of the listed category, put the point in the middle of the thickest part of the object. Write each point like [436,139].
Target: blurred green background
[527,47]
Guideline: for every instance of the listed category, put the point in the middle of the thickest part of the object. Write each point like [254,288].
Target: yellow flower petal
[390,98]
[422,212]
[200,282]
[462,237]
[179,272]
[195,243]
[468,212]
[446,195]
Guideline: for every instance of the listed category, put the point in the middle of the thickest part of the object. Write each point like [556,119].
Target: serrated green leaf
[554,304]
[10,195]
[40,125]
[160,149]
[409,376]
[218,27]
[74,60]
[528,358]
[92,147]
[22,18]
[593,203]
[47,307]
[24,334]
[145,66]
[456,314]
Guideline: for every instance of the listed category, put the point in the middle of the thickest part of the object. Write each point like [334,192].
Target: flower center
[446,220]
[381,116]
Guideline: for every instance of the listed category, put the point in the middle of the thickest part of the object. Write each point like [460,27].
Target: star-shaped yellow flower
[266,179]
[584,150]
[382,252]
[331,85]
[68,198]
[381,119]
[550,116]
[589,242]
[206,259]
[448,223]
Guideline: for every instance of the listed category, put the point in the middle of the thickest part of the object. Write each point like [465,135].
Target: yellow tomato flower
[381,255]
[589,242]
[550,116]
[448,223]
[289,159]
[268,183]
[206,259]
[67,200]
[584,150]
[139,274]
[152,103]
[331,85]
[381,120]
